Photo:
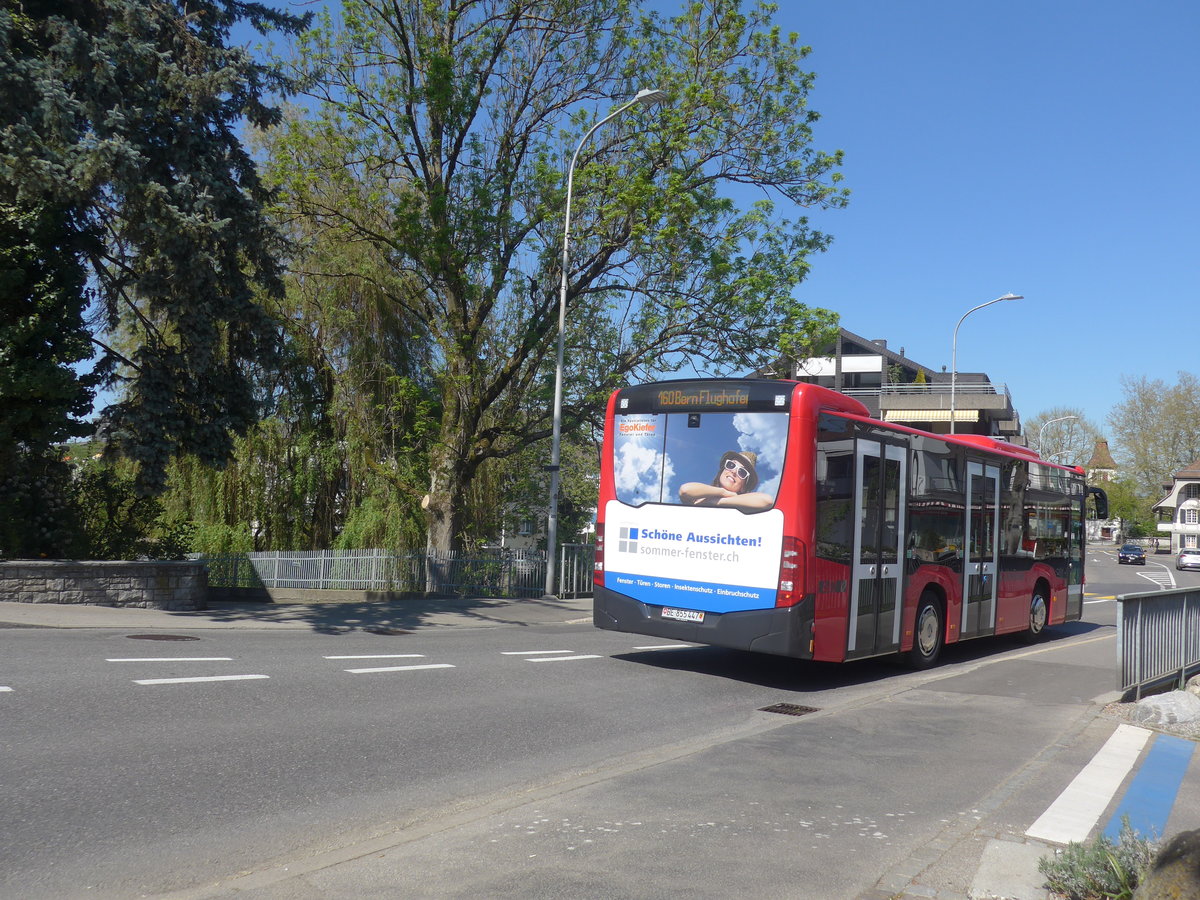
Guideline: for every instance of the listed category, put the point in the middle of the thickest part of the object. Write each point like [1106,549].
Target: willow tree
[688,234]
[340,456]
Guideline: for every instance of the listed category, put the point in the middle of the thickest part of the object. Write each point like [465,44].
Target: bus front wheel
[927,633]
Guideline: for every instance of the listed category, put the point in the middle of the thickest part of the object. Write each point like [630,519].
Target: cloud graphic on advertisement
[637,469]
[766,435]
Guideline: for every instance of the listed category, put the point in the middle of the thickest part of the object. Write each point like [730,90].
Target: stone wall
[149,585]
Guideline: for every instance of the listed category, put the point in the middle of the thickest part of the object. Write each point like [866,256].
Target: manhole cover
[162,637]
[789,709]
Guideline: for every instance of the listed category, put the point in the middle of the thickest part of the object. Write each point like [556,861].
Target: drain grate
[789,709]
[162,637]
[383,629]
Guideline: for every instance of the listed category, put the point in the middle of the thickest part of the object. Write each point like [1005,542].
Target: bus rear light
[791,572]
[598,565]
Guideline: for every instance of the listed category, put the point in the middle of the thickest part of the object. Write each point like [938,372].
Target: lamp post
[648,97]
[954,349]
[1051,422]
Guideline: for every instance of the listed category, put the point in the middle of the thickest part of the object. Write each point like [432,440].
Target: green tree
[1156,429]
[1129,503]
[120,118]
[42,399]
[446,129]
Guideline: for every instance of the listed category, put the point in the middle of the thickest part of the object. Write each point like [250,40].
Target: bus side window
[835,490]
[935,523]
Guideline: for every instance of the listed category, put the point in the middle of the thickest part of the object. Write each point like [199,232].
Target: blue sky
[1047,149]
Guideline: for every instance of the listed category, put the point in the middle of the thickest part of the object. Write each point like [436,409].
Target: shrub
[116,522]
[1100,869]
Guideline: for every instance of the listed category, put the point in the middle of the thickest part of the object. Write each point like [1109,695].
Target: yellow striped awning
[930,415]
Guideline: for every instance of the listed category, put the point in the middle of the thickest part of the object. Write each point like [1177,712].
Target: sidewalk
[319,617]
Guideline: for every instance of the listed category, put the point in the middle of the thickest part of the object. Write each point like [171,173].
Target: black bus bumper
[785,631]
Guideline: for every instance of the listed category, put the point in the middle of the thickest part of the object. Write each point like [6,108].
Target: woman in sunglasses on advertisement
[734,485]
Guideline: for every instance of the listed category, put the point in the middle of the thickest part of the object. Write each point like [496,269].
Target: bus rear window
[700,459]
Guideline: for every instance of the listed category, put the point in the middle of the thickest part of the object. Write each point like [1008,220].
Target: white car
[1188,559]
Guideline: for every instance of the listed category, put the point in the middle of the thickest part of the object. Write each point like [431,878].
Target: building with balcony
[1179,511]
[898,389]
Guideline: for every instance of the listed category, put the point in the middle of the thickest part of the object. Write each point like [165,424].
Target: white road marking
[201,678]
[1166,580]
[1078,807]
[563,658]
[3,689]
[1163,580]
[382,656]
[173,659]
[532,652]
[400,668]
[666,647]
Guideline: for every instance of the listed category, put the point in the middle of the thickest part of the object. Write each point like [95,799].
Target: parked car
[1188,559]
[1132,554]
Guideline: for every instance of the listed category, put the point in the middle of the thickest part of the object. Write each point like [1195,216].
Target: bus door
[983,549]
[879,495]
[1075,562]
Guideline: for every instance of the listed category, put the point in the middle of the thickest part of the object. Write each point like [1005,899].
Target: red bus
[780,517]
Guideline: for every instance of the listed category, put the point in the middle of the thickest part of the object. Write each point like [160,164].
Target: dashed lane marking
[199,679]
[532,652]
[381,656]
[173,659]
[1072,815]
[5,689]
[400,668]
[563,658]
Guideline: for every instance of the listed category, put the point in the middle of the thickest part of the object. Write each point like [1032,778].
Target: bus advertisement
[779,517]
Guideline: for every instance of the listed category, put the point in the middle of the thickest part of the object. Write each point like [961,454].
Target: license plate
[683,615]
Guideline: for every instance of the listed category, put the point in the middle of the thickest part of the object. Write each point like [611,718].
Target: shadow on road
[387,617]
[782,673]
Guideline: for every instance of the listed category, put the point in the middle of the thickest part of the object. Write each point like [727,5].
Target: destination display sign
[731,396]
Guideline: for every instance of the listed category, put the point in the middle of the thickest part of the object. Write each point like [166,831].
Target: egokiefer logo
[627,539]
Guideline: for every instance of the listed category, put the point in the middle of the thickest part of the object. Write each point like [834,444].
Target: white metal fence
[484,573]
[1158,638]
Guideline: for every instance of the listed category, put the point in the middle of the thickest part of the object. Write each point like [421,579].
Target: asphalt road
[550,761]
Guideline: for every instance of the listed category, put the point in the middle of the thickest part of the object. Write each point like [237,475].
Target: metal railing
[1158,638]
[576,570]
[489,573]
[961,387]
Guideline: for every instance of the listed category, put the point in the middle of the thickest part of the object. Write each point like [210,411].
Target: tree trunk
[448,483]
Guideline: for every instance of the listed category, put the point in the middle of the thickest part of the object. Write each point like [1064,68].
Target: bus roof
[815,397]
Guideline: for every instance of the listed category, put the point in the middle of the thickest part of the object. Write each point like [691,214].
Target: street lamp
[1051,422]
[648,97]
[954,349]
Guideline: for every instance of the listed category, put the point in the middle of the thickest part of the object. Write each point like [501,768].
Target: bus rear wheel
[1039,612]
[927,632]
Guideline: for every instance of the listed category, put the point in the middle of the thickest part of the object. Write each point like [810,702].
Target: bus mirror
[1099,501]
